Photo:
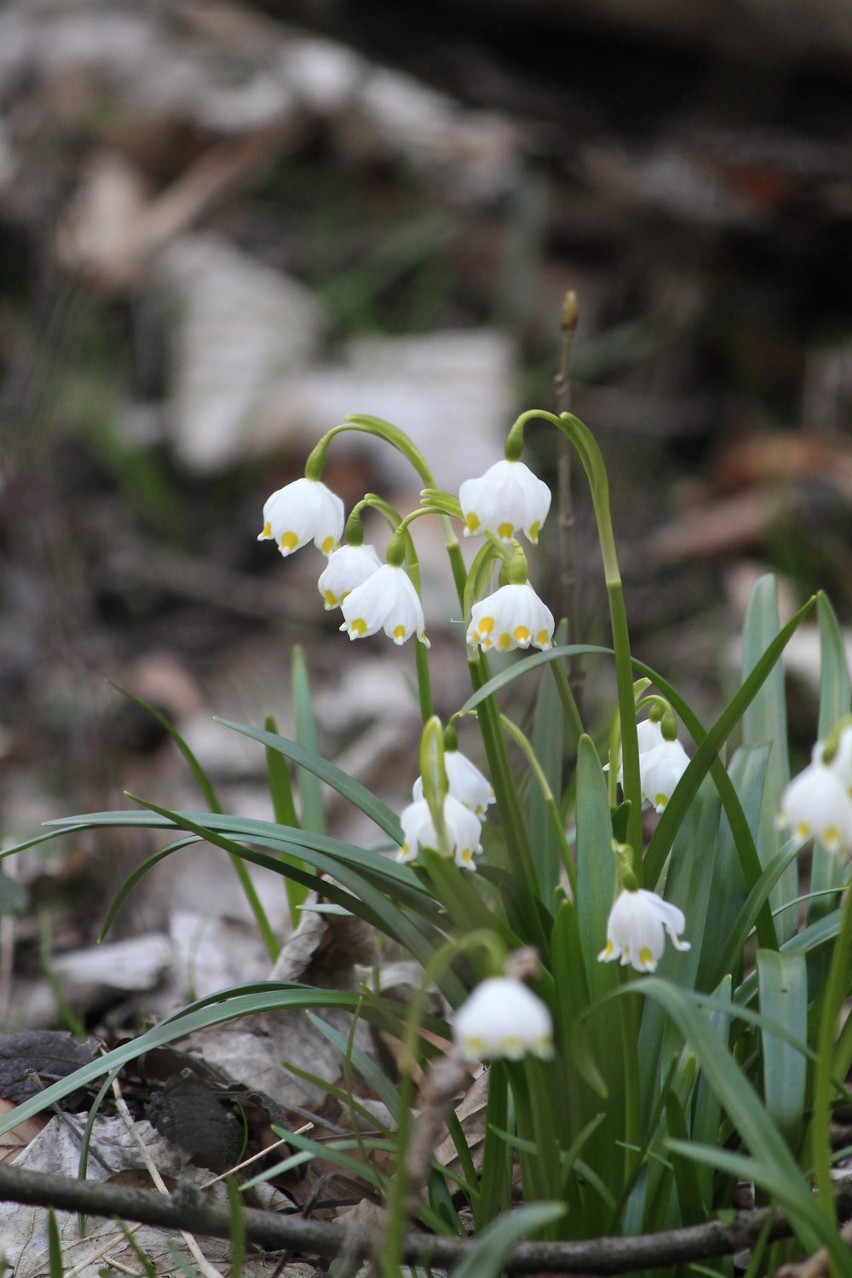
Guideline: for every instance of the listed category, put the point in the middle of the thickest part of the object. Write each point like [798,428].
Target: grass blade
[310,791]
[765,723]
[363,799]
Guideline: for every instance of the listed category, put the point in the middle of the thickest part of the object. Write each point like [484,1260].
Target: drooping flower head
[513,617]
[464,831]
[466,783]
[302,511]
[636,928]
[660,769]
[387,601]
[817,803]
[506,498]
[502,1018]
[347,567]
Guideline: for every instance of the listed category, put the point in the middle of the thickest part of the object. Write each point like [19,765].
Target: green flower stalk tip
[465,782]
[434,786]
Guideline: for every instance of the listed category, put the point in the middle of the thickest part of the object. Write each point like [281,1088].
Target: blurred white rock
[451,392]
[238,327]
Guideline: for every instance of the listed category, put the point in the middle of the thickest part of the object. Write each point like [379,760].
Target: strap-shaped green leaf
[783,984]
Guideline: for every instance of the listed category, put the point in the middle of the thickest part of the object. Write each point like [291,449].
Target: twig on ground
[186,1209]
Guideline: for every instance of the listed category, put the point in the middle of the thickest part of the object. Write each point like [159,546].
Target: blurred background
[223,226]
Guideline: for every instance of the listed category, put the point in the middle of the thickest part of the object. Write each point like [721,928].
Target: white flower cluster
[374,596]
[468,796]
[817,804]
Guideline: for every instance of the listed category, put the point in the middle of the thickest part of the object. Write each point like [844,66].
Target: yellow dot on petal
[330,599]
[465,856]
[803,830]
[505,530]
[831,835]
[358,626]
[608,951]
[474,1045]
[289,541]
[534,530]
[522,634]
[267,531]
[646,959]
[327,546]
[485,625]
[542,638]
[513,1045]
[660,801]
[399,634]
[504,641]
[471,522]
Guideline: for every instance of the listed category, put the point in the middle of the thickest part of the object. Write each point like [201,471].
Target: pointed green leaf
[783,984]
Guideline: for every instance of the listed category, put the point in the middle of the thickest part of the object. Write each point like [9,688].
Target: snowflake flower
[347,567]
[506,497]
[502,1018]
[463,828]
[302,511]
[817,805]
[386,601]
[636,928]
[513,617]
[466,783]
[660,769]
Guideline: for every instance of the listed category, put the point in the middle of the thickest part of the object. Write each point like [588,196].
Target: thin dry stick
[186,1209]
[568,559]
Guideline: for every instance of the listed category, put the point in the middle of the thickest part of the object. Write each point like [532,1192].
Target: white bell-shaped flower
[347,567]
[513,617]
[816,805]
[387,601]
[649,734]
[660,769]
[507,497]
[636,928]
[502,1018]
[464,830]
[466,783]
[305,510]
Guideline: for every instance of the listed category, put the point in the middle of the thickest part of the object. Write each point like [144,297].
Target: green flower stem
[495,1185]
[509,808]
[522,741]
[590,456]
[569,701]
[834,993]
[379,428]
[390,1254]
[629,1023]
